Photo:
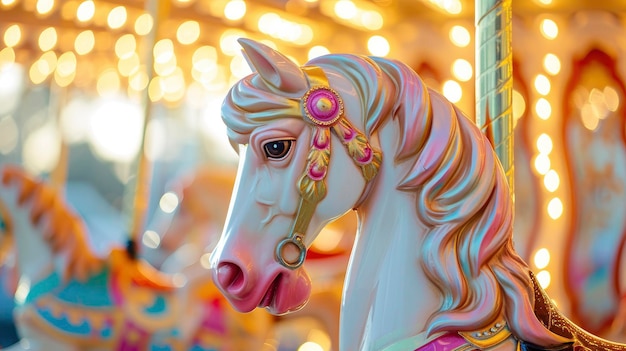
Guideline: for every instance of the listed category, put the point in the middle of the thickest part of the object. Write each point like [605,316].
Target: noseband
[323,108]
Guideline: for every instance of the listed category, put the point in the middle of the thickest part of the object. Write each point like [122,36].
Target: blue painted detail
[92,293]
[106,332]
[161,348]
[198,348]
[43,287]
[159,306]
[62,323]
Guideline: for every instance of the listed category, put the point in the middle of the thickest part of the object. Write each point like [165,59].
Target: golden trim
[488,337]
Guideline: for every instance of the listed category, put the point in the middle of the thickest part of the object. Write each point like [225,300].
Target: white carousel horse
[69,299]
[433,265]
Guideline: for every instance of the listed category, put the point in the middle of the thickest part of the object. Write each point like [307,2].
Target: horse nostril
[230,277]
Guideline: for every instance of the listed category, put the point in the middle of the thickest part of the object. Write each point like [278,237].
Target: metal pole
[494,78]
[140,198]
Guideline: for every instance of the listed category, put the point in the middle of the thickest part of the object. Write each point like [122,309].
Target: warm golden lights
[117,17]
[13,35]
[84,43]
[143,24]
[542,84]
[452,91]
[378,46]
[462,70]
[44,6]
[542,258]
[188,32]
[235,10]
[47,39]
[85,11]
[543,109]
[555,208]
[552,64]
[549,29]
[460,36]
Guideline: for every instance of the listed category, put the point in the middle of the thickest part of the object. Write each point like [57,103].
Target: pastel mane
[460,192]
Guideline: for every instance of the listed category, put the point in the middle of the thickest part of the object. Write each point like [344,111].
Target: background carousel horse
[433,265]
[69,299]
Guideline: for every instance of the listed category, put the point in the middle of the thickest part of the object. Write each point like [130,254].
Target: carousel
[312,175]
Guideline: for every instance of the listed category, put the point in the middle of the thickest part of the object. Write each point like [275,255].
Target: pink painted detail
[367,156]
[321,140]
[215,316]
[446,342]
[317,172]
[133,338]
[330,109]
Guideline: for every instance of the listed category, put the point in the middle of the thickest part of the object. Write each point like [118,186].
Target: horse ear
[273,67]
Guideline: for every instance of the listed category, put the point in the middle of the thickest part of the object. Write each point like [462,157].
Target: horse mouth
[269,299]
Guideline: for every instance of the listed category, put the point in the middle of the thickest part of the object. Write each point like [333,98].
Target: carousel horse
[68,298]
[433,265]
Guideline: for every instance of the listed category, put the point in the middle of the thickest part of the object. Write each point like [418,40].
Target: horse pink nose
[230,277]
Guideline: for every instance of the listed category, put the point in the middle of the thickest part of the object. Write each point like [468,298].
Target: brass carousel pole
[494,78]
[139,200]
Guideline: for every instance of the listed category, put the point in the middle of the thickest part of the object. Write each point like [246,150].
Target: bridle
[323,108]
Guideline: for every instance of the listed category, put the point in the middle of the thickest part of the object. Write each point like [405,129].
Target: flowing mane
[460,191]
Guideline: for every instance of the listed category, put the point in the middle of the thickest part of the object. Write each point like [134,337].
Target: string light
[378,46]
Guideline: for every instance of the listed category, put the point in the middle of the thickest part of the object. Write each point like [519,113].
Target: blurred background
[81,80]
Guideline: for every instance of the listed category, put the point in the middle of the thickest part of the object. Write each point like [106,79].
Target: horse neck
[34,256]
[387,296]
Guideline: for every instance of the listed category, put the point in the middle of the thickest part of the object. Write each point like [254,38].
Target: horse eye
[277,149]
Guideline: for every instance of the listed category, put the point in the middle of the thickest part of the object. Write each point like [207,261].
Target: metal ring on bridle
[297,241]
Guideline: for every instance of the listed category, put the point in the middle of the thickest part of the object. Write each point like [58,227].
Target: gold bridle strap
[323,108]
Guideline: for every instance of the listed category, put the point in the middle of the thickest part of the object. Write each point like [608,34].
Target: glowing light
[12,35]
[462,70]
[155,92]
[138,81]
[452,91]
[543,108]
[168,202]
[552,64]
[163,51]
[371,20]
[277,27]
[151,239]
[143,24]
[66,64]
[545,2]
[125,46]
[544,144]
[44,6]
[228,41]
[188,32]
[48,39]
[378,46]
[460,36]
[7,56]
[543,277]
[204,60]
[85,11]
[549,29]
[327,240]
[116,129]
[542,258]
[239,67]
[66,69]
[320,337]
[542,84]
[317,51]
[453,7]
[611,98]
[35,74]
[128,65]
[205,260]
[84,43]
[589,117]
[47,63]
[117,17]
[345,9]
[42,149]
[235,10]
[542,164]
[555,208]
[551,181]
[8,3]
[519,105]
[310,346]
[108,82]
